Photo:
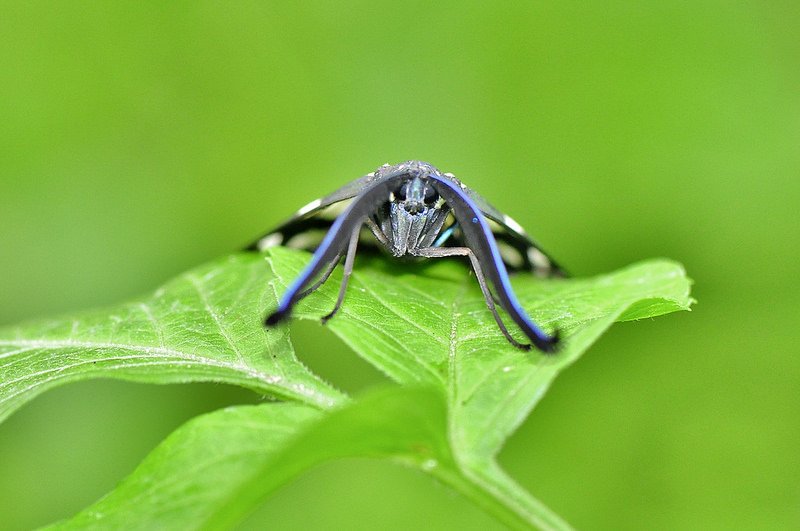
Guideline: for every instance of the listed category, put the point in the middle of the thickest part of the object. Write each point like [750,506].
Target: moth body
[413,209]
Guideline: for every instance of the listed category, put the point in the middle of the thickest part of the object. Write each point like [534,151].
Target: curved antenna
[479,238]
[334,243]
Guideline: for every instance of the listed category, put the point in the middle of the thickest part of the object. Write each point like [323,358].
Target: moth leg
[494,297]
[347,225]
[440,252]
[348,270]
[321,281]
[379,235]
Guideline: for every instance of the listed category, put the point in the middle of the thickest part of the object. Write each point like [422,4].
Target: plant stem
[489,487]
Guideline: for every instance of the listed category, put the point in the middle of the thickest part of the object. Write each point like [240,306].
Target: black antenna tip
[550,345]
[276,317]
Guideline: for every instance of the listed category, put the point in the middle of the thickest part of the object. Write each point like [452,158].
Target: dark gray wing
[520,252]
[333,244]
[306,228]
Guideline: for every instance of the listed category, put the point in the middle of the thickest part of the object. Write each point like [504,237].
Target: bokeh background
[138,139]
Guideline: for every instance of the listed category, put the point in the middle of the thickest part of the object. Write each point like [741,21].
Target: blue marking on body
[443,237]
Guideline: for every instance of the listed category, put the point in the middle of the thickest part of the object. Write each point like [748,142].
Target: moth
[414,210]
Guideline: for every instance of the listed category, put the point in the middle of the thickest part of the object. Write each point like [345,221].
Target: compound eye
[402,192]
[430,195]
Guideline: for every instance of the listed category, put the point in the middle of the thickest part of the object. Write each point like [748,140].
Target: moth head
[416,196]
[415,215]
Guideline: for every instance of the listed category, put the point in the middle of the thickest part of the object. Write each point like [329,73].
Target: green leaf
[190,477]
[424,325]
[434,328]
[203,326]
[212,471]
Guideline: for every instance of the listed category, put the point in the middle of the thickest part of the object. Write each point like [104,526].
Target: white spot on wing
[305,240]
[270,240]
[538,259]
[309,207]
[510,255]
[513,225]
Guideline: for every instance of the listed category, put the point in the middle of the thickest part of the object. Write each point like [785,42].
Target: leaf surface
[211,472]
[205,325]
[426,326]
[434,328]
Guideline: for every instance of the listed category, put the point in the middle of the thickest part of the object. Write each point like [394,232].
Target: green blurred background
[138,139]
